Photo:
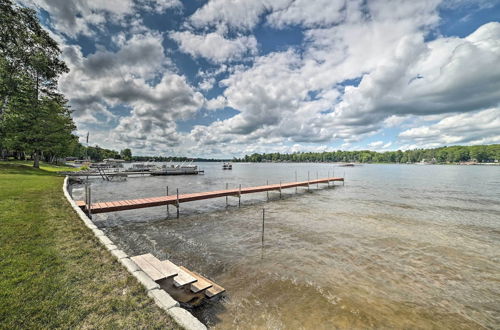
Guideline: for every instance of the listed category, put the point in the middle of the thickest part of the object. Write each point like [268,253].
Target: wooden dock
[103,207]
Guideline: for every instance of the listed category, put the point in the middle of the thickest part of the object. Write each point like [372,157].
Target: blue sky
[224,78]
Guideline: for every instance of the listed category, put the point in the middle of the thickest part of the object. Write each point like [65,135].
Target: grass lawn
[54,272]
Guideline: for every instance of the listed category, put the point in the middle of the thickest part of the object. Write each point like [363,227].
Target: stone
[185,319]
[129,264]
[105,240]
[145,280]
[163,299]
[98,232]
[110,247]
[119,254]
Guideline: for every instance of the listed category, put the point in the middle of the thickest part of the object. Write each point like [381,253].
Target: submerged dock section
[103,207]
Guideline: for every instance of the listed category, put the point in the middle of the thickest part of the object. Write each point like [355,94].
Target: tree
[126,154]
[45,129]
[33,115]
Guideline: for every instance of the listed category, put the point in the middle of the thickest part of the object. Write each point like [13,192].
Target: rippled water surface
[399,246]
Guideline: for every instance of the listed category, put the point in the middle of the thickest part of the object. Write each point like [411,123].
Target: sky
[225,78]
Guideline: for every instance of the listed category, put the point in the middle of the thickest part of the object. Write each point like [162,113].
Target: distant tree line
[453,154]
[35,120]
[98,154]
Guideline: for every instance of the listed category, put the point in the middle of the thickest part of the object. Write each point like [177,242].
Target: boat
[141,168]
[108,163]
[176,169]
[227,166]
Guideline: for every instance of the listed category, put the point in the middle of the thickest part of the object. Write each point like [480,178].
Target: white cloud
[376,144]
[138,77]
[441,76]
[467,128]
[214,46]
[313,13]
[238,14]
[79,16]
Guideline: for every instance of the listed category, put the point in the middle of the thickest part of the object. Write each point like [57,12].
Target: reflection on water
[401,246]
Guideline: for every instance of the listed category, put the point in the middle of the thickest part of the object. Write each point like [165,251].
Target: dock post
[328,182]
[343,181]
[239,196]
[86,196]
[308,179]
[168,208]
[296,180]
[267,192]
[317,178]
[177,203]
[227,187]
[90,203]
[280,189]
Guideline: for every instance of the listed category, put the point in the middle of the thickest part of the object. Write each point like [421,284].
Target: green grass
[43,166]
[54,272]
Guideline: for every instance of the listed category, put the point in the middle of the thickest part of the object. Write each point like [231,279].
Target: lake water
[399,246]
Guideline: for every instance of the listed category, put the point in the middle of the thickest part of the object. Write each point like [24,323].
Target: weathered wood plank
[201,282]
[149,269]
[182,278]
[163,268]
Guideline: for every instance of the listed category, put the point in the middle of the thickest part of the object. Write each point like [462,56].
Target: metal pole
[295,180]
[227,187]
[168,207]
[178,203]
[90,203]
[239,197]
[267,192]
[263,217]
[308,179]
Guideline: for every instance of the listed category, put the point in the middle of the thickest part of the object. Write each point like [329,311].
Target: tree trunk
[36,159]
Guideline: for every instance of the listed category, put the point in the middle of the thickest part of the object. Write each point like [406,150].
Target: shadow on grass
[23,169]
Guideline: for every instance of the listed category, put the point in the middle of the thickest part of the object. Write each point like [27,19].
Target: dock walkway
[103,207]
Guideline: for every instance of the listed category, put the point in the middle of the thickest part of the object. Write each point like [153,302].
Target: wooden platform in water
[103,207]
[184,285]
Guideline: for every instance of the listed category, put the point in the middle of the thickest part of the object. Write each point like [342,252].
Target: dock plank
[182,278]
[149,269]
[201,282]
[163,268]
[214,291]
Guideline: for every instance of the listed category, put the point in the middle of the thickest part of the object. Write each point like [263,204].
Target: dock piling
[90,203]
[227,187]
[168,208]
[317,177]
[177,203]
[296,180]
[280,189]
[267,192]
[239,196]
[308,179]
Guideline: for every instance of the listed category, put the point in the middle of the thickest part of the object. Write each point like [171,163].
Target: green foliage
[126,154]
[453,154]
[34,117]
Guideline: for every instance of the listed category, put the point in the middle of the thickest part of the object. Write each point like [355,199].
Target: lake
[399,246]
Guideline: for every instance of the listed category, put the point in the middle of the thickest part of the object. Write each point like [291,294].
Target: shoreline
[162,299]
